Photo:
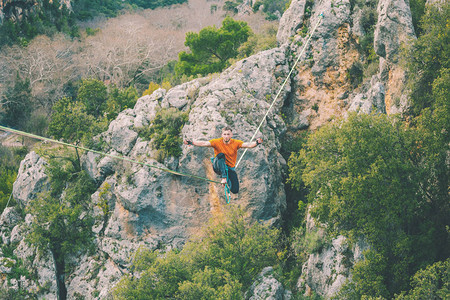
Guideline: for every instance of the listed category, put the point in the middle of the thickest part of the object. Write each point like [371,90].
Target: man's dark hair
[227,128]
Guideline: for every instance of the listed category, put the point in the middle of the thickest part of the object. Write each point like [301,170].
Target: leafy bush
[93,94]
[154,86]
[119,100]
[219,264]
[164,132]
[432,282]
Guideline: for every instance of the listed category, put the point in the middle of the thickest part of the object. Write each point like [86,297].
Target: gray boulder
[329,268]
[267,287]
[31,179]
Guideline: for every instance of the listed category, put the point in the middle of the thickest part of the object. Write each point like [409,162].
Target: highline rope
[282,86]
[104,154]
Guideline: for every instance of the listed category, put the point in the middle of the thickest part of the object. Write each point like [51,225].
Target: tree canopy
[16,104]
[212,47]
[428,57]
[370,176]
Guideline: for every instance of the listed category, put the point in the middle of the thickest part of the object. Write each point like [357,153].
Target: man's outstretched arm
[197,143]
[252,144]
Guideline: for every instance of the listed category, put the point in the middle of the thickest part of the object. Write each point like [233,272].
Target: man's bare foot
[223,181]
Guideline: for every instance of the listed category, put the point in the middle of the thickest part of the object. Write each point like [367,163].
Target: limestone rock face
[141,205]
[326,69]
[394,27]
[148,207]
[267,287]
[326,270]
[291,20]
[31,179]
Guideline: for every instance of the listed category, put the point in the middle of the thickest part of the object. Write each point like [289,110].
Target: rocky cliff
[151,208]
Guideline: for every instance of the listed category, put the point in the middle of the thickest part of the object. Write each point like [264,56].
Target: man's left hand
[259,141]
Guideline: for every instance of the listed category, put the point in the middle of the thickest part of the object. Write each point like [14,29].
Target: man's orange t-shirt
[230,150]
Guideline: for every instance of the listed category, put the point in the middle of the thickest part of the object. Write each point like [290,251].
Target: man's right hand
[188,142]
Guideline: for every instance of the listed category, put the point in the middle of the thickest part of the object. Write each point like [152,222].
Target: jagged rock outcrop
[329,268]
[149,207]
[322,88]
[267,287]
[393,28]
[31,179]
[291,20]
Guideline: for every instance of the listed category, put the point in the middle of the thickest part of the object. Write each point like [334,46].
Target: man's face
[226,135]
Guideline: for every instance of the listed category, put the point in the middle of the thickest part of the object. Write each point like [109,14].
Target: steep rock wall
[148,207]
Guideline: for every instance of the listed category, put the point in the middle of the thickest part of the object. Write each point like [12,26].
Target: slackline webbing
[103,153]
[10,196]
[282,86]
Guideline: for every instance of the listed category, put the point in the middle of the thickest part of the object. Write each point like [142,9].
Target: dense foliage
[219,264]
[369,176]
[60,224]
[164,132]
[52,17]
[428,58]
[16,104]
[212,48]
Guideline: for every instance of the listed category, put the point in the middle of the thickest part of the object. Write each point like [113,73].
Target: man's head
[227,134]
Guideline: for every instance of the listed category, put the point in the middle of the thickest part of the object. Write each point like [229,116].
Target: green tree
[47,17]
[366,177]
[7,178]
[93,94]
[16,104]
[210,284]
[60,224]
[433,282]
[417,11]
[236,245]
[120,99]
[10,159]
[70,122]
[430,156]
[211,48]
[427,55]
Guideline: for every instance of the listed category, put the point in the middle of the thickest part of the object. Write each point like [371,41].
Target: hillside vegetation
[373,177]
